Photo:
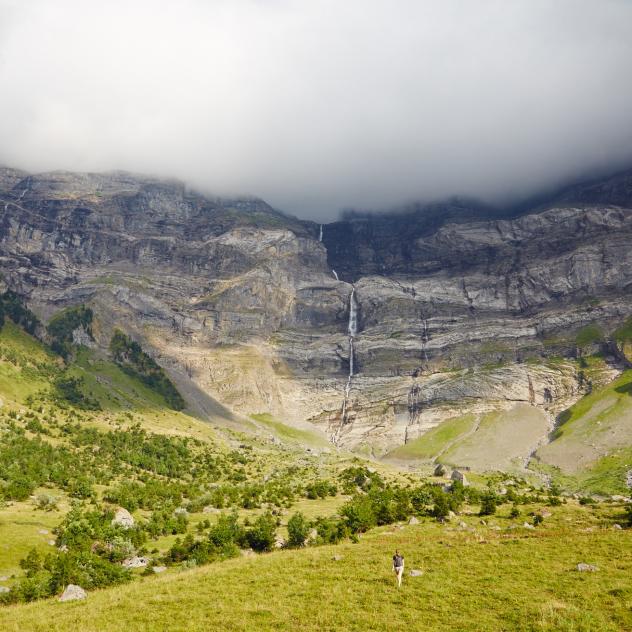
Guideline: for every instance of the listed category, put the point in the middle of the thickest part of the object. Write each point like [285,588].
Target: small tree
[262,535]
[297,529]
[488,504]
[441,507]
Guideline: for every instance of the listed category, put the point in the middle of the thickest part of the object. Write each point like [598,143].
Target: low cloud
[316,106]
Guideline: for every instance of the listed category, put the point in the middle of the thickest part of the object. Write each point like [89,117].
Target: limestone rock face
[459,310]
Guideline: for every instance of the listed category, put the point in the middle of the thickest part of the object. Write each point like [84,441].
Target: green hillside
[473,578]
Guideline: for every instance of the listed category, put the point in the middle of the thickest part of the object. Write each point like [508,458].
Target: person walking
[398,567]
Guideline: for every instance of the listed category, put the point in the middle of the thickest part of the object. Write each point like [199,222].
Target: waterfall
[352,329]
[335,275]
[353,315]
[320,236]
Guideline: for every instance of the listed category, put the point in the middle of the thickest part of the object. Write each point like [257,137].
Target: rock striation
[440,310]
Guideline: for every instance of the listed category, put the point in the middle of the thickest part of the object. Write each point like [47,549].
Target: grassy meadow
[475,577]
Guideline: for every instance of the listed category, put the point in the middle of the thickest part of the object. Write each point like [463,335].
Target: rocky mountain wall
[241,303]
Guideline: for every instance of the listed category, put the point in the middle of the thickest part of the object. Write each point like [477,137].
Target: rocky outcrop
[456,308]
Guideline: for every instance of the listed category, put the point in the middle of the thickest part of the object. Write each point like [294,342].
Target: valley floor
[476,577]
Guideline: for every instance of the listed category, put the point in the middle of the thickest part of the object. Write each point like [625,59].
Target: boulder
[180,511]
[617,526]
[135,562]
[279,543]
[416,573]
[413,520]
[586,568]
[73,593]
[457,475]
[159,569]
[440,470]
[4,589]
[43,531]
[123,518]
[248,553]
[527,525]
[337,558]
[210,510]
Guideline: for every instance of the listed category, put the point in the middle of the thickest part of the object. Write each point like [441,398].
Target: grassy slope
[433,442]
[502,441]
[476,579]
[289,433]
[593,442]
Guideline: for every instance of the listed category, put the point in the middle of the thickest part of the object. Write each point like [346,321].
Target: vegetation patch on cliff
[129,355]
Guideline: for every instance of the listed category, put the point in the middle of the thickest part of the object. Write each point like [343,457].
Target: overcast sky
[316,105]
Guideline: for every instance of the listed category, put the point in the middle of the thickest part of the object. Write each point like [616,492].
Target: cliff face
[452,313]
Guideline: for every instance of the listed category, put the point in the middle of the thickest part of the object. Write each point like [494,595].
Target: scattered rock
[63,548]
[451,515]
[527,525]
[43,531]
[545,513]
[458,476]
[135,562]
[617,498]
[4,589]
[279,543]
[416,573]
[4,578]
[73,593]
[617,526]
[248,553]
[51,542]
[583,568]
[440,470]
[123,518]
[180,511]
[159,569]
[210,510]
[337,558]
[413,520]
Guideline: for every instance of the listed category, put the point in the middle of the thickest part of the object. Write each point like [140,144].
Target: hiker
[398,567]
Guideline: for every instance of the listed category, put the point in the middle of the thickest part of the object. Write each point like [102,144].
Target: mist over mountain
[317,107]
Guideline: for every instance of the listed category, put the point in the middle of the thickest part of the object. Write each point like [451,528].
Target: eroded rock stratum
[468,314]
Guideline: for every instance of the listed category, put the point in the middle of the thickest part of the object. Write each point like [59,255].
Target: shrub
[489,503]
[298,530]
[46,502]
[262,535]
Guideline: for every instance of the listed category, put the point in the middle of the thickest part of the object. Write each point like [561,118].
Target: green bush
[298,530]
[489,503]
[262,535]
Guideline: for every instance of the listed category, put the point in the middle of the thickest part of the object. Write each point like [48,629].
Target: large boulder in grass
[73,593]
[135,562]
[123,518]
[440,470]
[458,476]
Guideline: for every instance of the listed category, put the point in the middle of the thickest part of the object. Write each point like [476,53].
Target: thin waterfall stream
[352,330]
